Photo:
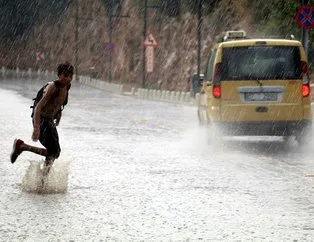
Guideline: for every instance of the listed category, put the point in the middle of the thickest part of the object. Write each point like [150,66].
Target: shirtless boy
[47,115]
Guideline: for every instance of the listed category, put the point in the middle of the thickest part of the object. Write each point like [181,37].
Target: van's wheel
[287,140]
[304,137]
[300,140]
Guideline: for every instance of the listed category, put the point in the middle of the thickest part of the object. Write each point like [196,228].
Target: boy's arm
[37,111]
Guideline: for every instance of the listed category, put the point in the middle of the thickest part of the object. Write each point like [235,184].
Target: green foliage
[277,18]
[17,17]
[112,6]
[50,11]
[274,18]
[192,5]
[171,8]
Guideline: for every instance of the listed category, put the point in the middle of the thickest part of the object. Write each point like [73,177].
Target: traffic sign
[150,40]
[305,16]
[149,59]
[40,56]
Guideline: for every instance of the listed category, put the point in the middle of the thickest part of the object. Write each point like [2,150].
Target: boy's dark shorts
[49,137]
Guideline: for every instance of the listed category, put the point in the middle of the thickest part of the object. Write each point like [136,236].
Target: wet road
[143,171]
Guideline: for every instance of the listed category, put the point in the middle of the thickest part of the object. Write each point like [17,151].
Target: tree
[17,17]
[112,7]
[171,8]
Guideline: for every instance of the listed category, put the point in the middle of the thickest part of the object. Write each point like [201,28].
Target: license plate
[260,96]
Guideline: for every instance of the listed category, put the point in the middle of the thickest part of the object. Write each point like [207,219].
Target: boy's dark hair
[65,68]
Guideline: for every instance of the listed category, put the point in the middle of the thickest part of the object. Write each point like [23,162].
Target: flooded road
[144,171]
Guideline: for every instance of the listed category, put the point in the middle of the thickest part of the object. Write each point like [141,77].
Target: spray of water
[56,181]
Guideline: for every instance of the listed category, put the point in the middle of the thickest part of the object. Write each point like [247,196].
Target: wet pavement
[139,170]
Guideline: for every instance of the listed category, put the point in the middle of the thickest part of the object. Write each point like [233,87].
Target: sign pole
[199,36]
[149,59]
[144,49]
[305,40]
[305,19]
[76,41]
[305,32]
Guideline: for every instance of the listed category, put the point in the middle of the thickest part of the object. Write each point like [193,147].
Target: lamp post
[144,36]
[199,36]
[114,11]
[305,32]
[110,43]
[76,40]
[77,21]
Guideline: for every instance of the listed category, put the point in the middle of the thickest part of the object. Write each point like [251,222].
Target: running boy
[47,115]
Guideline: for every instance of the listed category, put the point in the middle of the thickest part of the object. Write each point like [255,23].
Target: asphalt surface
[134,170]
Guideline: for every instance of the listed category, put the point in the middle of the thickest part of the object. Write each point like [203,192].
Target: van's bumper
[275,128]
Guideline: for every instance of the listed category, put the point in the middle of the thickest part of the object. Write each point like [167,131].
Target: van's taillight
[217,91]
[306,89]
[216,81]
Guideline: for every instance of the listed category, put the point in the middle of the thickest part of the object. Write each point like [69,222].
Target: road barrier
[100,84]
[141,93]
[163,95]
[49,76]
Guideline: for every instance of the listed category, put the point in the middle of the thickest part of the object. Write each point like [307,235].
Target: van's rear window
[260,62]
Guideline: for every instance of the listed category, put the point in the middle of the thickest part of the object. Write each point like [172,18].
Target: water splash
[34,181]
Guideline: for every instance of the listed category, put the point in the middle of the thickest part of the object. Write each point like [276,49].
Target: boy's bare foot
[16,151]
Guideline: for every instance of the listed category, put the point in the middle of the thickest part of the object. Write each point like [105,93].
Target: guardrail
[49,76]
[148,94]
[97,83]
[141,93]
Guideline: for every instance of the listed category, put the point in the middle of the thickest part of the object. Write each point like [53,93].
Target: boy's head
[66,69]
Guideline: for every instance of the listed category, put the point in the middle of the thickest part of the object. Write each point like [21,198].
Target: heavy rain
[186,120]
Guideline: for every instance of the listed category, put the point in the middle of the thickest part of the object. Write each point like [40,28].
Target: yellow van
[257,87]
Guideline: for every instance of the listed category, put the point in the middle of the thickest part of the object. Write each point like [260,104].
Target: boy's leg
[19,146]
[49,161]
[34,149]
[50,140]
[47,165]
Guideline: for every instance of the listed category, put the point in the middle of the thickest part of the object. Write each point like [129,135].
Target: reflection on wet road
[144,171]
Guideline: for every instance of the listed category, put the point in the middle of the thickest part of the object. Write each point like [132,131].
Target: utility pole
[110,44]
[76,40]
[305,32]
[199,37]
[144,55]
[77,20]
[114,11]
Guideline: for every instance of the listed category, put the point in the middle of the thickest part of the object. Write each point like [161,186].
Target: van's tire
[304,137]
[288,140]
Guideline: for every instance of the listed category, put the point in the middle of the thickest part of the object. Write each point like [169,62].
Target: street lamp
[199,36]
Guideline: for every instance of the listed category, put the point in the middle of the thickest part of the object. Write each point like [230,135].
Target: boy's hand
[58,117]
[36,133]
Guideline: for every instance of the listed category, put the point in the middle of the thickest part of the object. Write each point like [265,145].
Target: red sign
[40,56]
[305,16]
[150,40]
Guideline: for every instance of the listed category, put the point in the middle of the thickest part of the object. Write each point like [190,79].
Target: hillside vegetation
[78,30]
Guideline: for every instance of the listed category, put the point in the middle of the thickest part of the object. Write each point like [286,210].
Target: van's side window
[210,65]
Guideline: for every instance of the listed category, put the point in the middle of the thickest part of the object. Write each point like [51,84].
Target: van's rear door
[261,83]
